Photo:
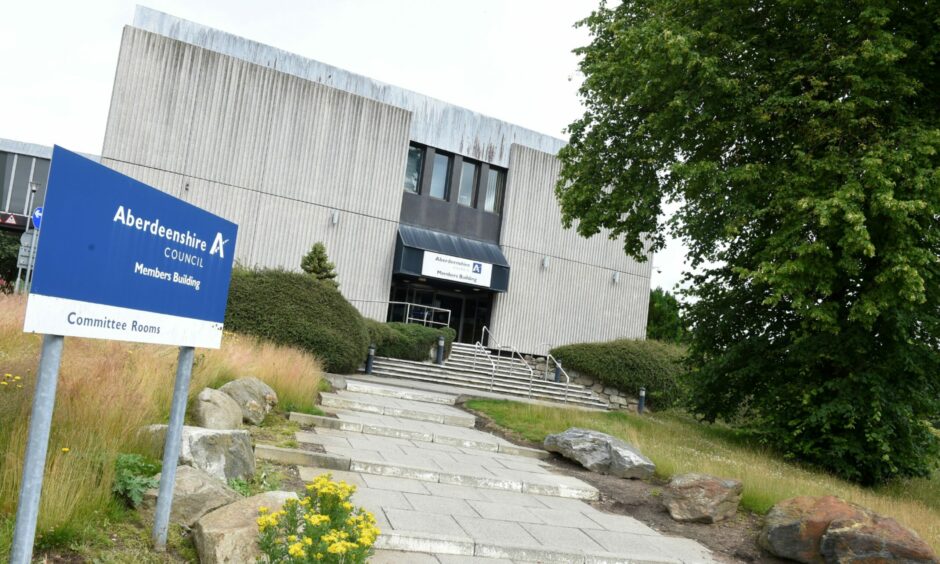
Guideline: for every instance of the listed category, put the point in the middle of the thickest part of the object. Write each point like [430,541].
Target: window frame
[423,151]
[448,179]
[474,184]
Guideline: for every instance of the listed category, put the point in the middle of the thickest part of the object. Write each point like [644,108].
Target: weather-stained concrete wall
[291,161]
[573,296]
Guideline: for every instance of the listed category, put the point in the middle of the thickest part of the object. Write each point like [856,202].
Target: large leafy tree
[664,320]
[800,141]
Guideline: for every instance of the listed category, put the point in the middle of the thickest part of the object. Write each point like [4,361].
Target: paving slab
[419,521]
[399,557]
[402,408]
[502,512]
[395,484]
[400,393]
[496,532]
[565,539]
[440,505]
[308,474]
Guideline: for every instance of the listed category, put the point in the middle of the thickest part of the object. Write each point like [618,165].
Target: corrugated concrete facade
[282,145]
[276,154]
[574,298]
[436,123]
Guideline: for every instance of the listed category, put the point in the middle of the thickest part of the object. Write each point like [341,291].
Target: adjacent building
[417,201]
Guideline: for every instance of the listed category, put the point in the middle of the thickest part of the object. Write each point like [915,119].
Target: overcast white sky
[507,59]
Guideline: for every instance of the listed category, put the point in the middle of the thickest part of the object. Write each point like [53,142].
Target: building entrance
[469,308]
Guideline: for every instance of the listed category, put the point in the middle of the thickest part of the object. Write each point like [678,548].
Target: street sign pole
[32,262]
[135,269]
[171,448]
[37,446]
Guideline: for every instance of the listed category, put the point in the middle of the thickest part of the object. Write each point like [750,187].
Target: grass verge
[678,444]
[107,390]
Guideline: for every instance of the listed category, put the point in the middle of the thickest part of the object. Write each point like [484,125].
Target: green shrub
[291,308]
[628,365]
[407,341]
[133,475]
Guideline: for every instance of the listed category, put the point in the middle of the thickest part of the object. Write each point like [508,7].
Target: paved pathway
[443,492]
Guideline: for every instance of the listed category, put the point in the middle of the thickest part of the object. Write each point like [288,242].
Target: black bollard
[558,371]
[642,403]
[370,359]
[440,349]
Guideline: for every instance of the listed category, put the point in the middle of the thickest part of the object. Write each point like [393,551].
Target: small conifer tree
[316,263]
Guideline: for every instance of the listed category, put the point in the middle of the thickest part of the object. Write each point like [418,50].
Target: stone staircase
[443,492]
[472,369]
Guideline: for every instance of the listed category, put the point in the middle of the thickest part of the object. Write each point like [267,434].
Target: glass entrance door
[469,311]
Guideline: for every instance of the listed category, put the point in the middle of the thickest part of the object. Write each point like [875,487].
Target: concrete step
[484,366]
[520,387]
[497,387]
[519,380]
[435,413]
[442,437]
[473,381]
[399,393]
[553,485]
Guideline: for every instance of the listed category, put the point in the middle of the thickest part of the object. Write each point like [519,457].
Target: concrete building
[416,200]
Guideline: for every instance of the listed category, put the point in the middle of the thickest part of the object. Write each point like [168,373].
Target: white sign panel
[456,269]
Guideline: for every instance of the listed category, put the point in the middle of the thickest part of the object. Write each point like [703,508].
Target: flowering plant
[322,526]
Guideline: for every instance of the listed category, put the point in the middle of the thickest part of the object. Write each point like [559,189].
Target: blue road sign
[122,260]
[37,217]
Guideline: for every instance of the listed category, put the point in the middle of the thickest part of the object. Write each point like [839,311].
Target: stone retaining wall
[613,396]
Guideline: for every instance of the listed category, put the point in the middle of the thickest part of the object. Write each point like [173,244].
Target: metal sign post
[37,445]
[120,260]
[171,447]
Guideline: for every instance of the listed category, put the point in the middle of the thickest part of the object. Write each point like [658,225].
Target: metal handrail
[478,346]
[563,373]
[409,318]
[495,345]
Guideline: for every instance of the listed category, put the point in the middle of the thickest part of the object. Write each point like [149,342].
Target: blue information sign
[37,217]
[122,260]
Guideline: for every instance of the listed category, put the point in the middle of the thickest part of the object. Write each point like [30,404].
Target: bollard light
[642,403]
[370,359]
[440,349]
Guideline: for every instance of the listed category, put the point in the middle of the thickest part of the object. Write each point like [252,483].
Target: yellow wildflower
[291,538]
[296,550]
[341,547]
[65,449]
[5,383]
[262,510]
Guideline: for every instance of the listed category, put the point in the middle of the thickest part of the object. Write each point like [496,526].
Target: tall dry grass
[678,444]
[106,391]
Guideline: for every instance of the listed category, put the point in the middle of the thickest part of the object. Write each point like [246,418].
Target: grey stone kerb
[434,122]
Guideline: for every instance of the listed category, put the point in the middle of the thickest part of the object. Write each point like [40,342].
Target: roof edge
[481,137]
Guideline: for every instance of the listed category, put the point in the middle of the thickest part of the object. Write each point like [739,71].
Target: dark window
[468,179]
[495,186]
[413,169]
[440,176]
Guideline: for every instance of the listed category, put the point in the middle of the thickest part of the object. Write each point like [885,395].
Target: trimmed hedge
[407,341]
[296,309]
[628,365]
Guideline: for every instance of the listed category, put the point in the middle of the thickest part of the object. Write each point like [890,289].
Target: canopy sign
[122,260]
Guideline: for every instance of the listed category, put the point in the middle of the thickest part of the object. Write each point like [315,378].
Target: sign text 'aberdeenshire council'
[121,260]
